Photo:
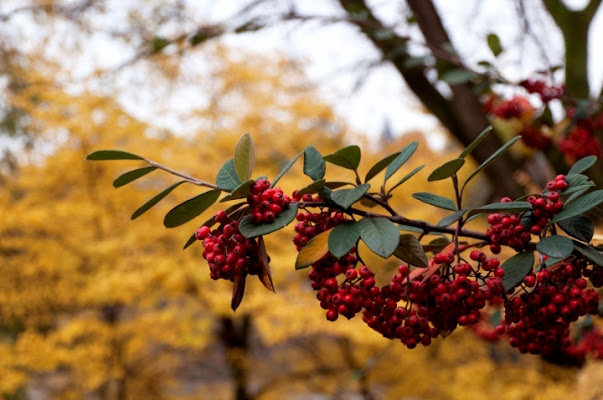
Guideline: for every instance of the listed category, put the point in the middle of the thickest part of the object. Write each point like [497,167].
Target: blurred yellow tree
[93,305]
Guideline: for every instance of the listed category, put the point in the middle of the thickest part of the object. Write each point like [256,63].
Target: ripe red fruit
[202,232]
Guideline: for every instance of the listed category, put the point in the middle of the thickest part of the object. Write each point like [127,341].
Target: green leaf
[493,157]
[380,166]
[190,209]
[410,250]
[458,76]
[192,239]
[131,176]
[101,155]
[154,200]
[234,212]
[581,205]
[412,62]
[575,182]
[446,170]
[407,177]
[336,185]
[250,230]
[348,157]
[314,165]
[159,43]
[452,218]
[285,169]
[409,228]
[240,192]
[510,207]
[244,157]
[494,44]
[516,268]
[590,253]
[346,197]
[312,188]
[475,142]
[406,152]
[582,165]
[580,227]
[555,246]
[343,237]
[313,251]
[227,178]
[436,245]
[380,235]
[435,200]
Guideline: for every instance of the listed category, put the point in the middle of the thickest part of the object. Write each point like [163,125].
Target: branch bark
[462,114]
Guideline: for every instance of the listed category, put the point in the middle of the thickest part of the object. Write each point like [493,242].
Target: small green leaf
[250,230]
[101,155]
[435,200]
[407,177]
[312,188]
[159,43]
[244,157]
[380,235]
[406,152]
[346,197]
[192,239]
[516,268]
[452,218]
[490,159]
[412,62]
[458,76]
[314,165]
[380,166]
[285,169]
[131,176]
[410,250]
[582,165]
[190,209]
[580,227]
[475,142]
[240,192]
[348,157]
[494,44]
[510,207]
[590,253]
[343,237]
[409,228]
[227,178]
[555,246]
[581,205]
[313,251]
[446,170]
[436,245]
[336,185]
[154,200]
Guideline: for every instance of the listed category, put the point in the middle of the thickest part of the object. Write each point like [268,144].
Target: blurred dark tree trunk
[234,334]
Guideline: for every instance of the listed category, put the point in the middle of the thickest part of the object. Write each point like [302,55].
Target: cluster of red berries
[538,320]
[435,305]
[590,344]
[516,107]
[311,224]
[510,230]
[546,92]
[532,137]
[227,251]
[579,143]
[266,203]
